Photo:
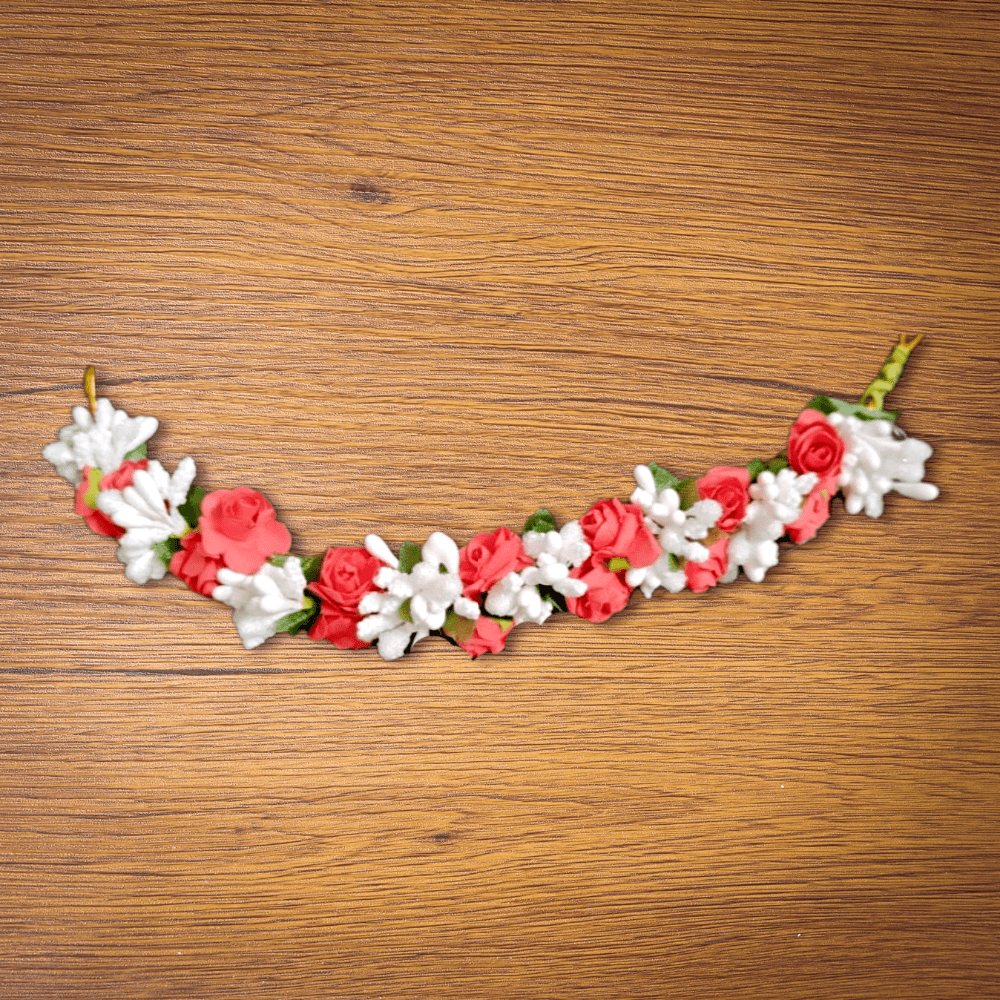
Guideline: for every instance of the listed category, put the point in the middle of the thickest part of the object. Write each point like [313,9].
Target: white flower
[101,441]
[555,553]
[432,587]
[148,510]
[876,461]
[660,574]
[513,597]
[776,501]
[261,600]
[676,531]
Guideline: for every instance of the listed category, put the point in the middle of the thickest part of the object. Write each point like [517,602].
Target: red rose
[727,486]
[814,446]
[488,558]
[701,576]
[607,592]
[814,513]
[192,564]
[345,577]
[240,526]
[488,637]
[616,530]
[97,520]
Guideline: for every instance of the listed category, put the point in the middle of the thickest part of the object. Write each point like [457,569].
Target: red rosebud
[337,626]
[488,637]
[192,564]
[814,513]
[728,486]
[616,530]
[607,592]
[488,558]
[241,528]
[815,446]
[701,576]
[97,520]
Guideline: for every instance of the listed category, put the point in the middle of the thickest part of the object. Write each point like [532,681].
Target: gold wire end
[90,388]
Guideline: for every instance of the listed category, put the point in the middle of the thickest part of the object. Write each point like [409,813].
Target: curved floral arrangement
[673,533]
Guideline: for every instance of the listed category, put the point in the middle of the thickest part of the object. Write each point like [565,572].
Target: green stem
[887,378]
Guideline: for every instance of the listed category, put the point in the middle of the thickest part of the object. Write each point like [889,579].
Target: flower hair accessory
[671,533]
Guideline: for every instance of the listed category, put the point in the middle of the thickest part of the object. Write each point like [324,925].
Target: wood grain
[407,267]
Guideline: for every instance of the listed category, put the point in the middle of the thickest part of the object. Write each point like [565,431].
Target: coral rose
[192,564]
[489,637]
[97,520]
[616,530]
[701,576]
[240,527]
[488,558]
[607,592]
[815,512]
[728,486]
[815,446]
[346,576]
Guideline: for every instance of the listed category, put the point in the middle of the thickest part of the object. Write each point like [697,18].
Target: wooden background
[432,266]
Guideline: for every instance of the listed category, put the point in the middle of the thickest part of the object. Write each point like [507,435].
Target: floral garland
[673,533]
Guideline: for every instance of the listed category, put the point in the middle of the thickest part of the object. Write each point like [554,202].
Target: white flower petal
[378,548]
[467,608]
[392,644]
[439,549]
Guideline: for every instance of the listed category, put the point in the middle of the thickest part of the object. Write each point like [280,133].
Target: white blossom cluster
[677,531]
[877,461]
[101,441]
[431,588]
[555,553]
[148,511]
[260,600]
[776,501]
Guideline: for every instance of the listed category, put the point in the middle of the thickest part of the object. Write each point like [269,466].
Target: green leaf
[278,560]
[827,404]
[409,555]
[311,567]
[404,611]
[164,550]
[772,465]
[190,510]
[557,600]
[136,454]
[675,563]
[294,622]
[619,564]
[459,628]
[441,634]
[504,623]
[687,490]
[663,478]
[541,521]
